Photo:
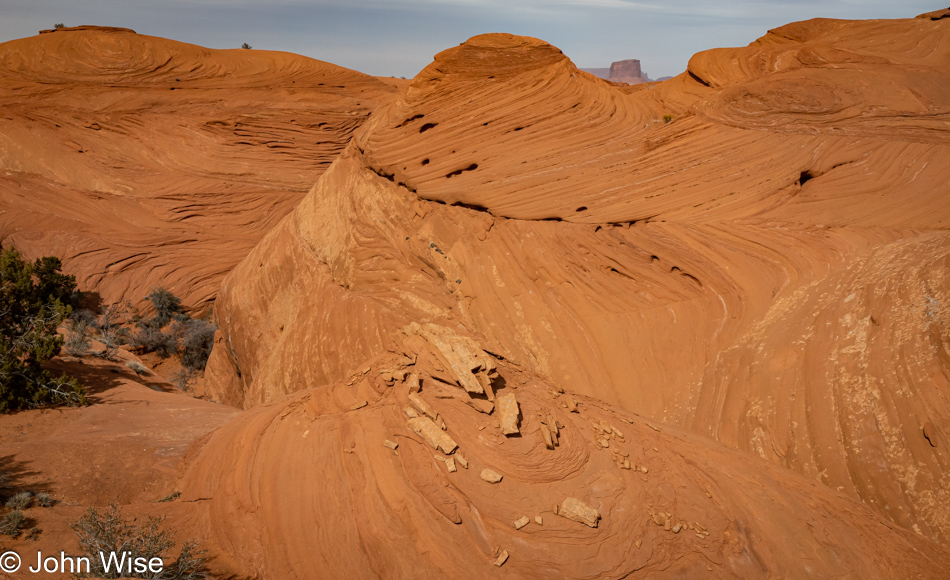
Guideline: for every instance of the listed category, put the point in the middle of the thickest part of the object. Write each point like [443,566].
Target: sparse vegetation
[196,343]
[109,532]
[188,337]
[33,534]
[138,367]
[183,379]
[77,338]
[170,497]
[44,500]
[667,118]
[166,305]
[20,501]
[33,302]
[59,25]
[11,523]
[111,333]
[246,45]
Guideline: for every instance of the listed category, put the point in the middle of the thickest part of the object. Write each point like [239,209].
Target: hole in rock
[426,127]
[581,208]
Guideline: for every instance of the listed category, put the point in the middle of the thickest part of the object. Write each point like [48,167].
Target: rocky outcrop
[754,251]
[146,162]
[307,458]
[627,71]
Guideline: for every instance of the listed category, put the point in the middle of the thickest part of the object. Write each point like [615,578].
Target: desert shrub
[667,118]
[170,497]
[84,315]
[166,305]
[111,333]
[31,308]
[77,338]
[109,532]
[183,378]
[44,500]
[20,501]
[136,366]
[59,25]
[151,339]
[11,523]
[246,45]
[197,340]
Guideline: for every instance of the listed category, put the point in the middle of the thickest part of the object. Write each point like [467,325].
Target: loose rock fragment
[390,444]
[575,509]
[508,412]
[450,465]
[604,443]
[432,434]
[643,469]
[571,405]
[422,406]
[491,476]
[552,425]
[521,522]
[546,434]
[411,412]
[538,520]
[502,558]
[415,385]
[359,405]
[461,460]
[639,543]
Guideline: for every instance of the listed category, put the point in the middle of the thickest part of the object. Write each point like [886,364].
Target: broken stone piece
[415,385]
[617,432]
[480,405]
[508,411]
[359,405]
[575,509]
[502,558]
[461,460]
[450,465]
[546,434]
[432,434]
[491,476]
[676,529]
[422,406]
[410,412]
[625,464]
[604,443]
[552,425]
[643,469]
[387,377]
[571,405]
[538,520]
[521,522]
[390,444]
[639,543]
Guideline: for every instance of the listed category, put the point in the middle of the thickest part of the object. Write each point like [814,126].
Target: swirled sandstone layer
[144,162]
[355,480]
[767,268]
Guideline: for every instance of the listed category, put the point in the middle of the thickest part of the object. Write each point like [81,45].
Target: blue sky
[398,38]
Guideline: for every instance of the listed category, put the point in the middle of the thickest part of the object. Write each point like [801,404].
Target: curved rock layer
[142,161]
[358,480]
[755,251]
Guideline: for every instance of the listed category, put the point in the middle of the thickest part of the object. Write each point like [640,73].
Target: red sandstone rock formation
[768,269]
[142,161]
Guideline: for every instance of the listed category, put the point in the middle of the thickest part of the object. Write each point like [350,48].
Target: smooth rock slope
[768,269]
[142,161]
